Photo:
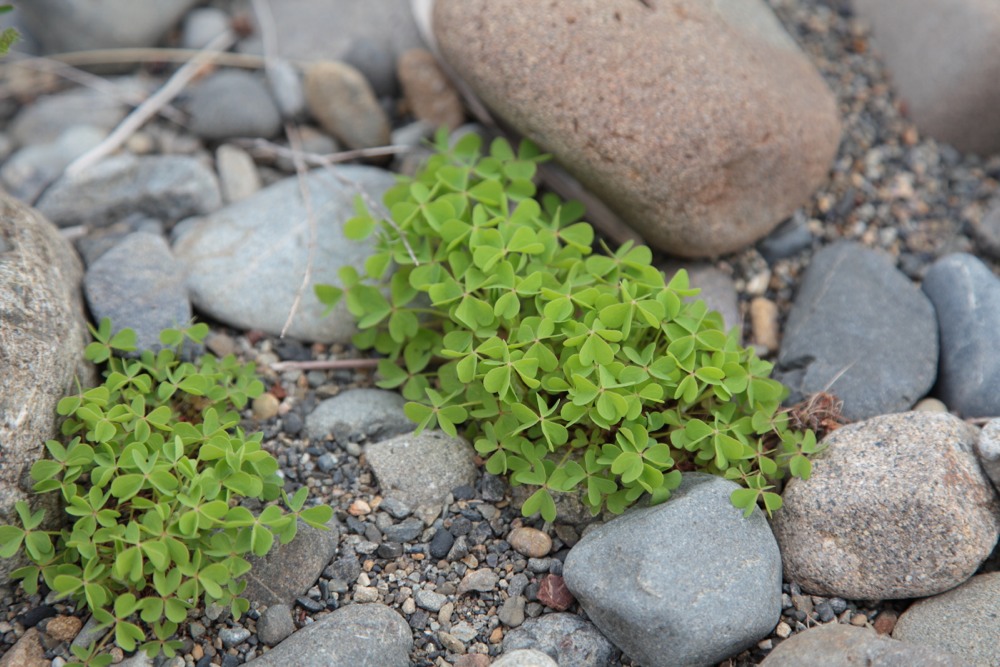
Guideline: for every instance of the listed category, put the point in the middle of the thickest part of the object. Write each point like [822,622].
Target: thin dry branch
[324,365]
[300,172]
[154,55]
[152,105]
[84,78]
[268,149]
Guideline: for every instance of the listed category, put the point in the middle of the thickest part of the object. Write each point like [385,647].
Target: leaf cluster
[151,469]
[572,369]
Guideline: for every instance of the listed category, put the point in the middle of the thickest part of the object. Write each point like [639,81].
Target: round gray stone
[275,624]
[854,307]
[896,507]
[233,103]
[244,264]
[962,621]
[702,582]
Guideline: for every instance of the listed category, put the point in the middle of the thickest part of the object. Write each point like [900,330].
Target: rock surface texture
[944,58]
[702,582]
[837,645]
[42,336]
[962,622]
[854,306]
[918,468]
[422,469]
[703,145]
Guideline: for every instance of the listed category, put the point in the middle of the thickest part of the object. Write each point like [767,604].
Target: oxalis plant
[569,369]
[152,469]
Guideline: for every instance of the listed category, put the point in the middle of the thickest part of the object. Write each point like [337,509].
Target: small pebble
[364,594]
[430,600]
[359,508]
[450,642]
[885,622]
[265,407]
[233,636]
[530,542]
[764,323]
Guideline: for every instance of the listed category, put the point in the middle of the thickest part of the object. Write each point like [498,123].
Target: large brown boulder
[701,123]
[42,336]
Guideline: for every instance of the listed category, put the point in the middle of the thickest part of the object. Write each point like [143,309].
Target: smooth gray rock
[988,449]
[566,638]
[966,296]
[47,118]
[72,25]
[377,62]
[944,58]
[896,507]
[837,645]
[165,187]
[99,240]
[138,284]
[245,263]
[30,170]
[43,333]
[289,570]
[324,29]
[358,635]
[359,413]
[854,307]
[238,175]
[275,624]
[233,103]
[702,582]
[962,622]
[285,84]
[525,657]
[422,469]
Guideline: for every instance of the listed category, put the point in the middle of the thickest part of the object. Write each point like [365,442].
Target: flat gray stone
[244,263]
[30,170]
[837,645]
[138,284]
[966,296]
[68,25]
[43,333]
[47,118]
[165,187]
[289,570]
[962,621]
[701,584]
[275,624]
[566,638]
[359,413]
[854,307]
[525,657]
[358,635]
[896,507]
[422,469]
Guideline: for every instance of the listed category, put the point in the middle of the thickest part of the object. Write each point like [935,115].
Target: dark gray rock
[837,645]
[354,413]
[789,238]
[702,582]
[566,638]
[245,263]
[407,530]
[987,233]
[138,284]
[441,543]
[377,62]
[896,507]
[966,295]
[275,624]
[961,622]
[233,103]
[860,330]
[422,469]
[66,25]
[165,187]
[355,635]
[43,333]
[289,570]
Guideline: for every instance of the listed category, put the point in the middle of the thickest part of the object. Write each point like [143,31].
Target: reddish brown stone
[553,593]
[885,622]
[428,92]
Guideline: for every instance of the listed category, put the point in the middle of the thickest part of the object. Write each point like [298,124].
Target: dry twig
[324,365]
[152,105]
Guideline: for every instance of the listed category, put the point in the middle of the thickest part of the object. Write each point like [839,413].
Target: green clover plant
[571,369]
[151,470]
